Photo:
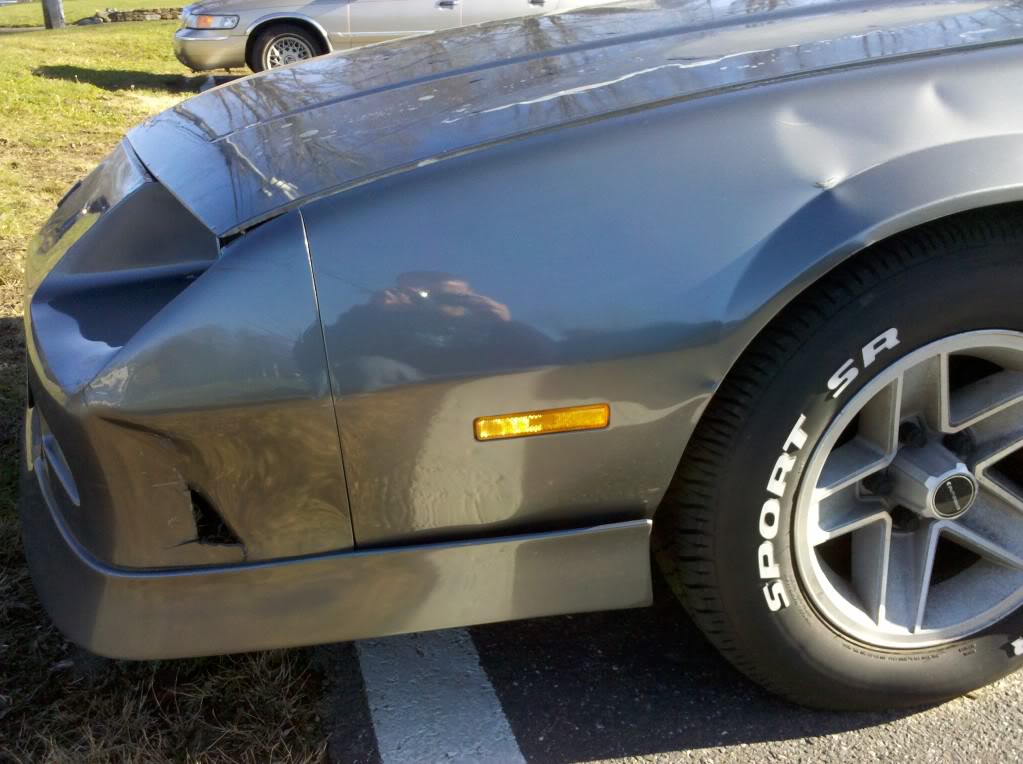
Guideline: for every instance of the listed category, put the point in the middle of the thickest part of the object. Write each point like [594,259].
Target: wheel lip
[290,37]
[806,560]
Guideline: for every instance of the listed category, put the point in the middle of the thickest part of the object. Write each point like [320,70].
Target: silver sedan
[224,34]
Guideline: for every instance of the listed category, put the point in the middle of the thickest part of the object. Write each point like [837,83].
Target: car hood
[241,153]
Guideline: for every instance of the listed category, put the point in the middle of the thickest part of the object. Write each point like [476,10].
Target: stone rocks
[141,14]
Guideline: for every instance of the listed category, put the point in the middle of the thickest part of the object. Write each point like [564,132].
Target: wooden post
[53,14]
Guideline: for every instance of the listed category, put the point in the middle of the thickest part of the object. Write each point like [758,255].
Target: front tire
[806,514]
[283,44]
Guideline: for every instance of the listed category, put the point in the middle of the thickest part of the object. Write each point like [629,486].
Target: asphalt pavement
[626,686]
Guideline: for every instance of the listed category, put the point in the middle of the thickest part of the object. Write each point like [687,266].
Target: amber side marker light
[592,417]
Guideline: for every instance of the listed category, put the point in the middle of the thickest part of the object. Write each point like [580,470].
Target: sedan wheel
[286,49]
[283,44]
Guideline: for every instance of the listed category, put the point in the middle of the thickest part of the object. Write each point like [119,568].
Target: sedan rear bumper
[203,49]
[324,598]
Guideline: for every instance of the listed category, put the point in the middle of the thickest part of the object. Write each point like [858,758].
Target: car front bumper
[205,49]
[151,614]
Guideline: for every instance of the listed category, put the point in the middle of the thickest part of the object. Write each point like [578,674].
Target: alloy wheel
[909,523]
[287,49]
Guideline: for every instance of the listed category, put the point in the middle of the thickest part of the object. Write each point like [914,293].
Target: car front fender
[852,213]
[291,16]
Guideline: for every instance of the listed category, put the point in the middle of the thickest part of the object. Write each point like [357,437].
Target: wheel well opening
[316,33]
[990,219]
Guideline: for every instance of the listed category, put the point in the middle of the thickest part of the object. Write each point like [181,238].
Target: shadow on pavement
[632,683]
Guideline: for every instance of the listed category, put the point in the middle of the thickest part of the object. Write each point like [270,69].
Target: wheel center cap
[929,481]
[953,496]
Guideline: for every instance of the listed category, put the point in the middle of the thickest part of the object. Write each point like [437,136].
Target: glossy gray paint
[601,271]
[158,380]
[600,206]
[327,598]
[272,141]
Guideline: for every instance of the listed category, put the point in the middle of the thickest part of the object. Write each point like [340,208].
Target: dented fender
[852,213]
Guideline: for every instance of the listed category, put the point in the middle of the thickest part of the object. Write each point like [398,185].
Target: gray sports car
[462,328]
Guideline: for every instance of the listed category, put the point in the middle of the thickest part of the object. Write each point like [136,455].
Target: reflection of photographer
[443,292]
[429,325]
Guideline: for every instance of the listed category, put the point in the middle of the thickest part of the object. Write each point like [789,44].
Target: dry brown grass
[66,99]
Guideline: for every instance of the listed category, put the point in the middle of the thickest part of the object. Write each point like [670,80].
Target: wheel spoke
[871,547]
[984,543]
[871,448]
[870,527]
[844,512]
[994,517]
[879,419]
[995,484]
[847,464]
[287,50]
[910,560]
[996,436]
[925,392]
[984,398]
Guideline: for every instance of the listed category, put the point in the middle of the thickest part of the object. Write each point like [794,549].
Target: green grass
[31,14]
[67,98]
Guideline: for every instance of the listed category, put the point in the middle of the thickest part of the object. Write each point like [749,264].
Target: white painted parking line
[431,701]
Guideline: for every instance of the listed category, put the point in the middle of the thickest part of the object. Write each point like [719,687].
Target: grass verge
[31,14]
[67,98]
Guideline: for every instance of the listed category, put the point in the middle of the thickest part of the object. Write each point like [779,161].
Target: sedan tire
[282,44]
[846,525]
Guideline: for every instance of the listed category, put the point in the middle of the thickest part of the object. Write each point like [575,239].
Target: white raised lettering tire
[846,524]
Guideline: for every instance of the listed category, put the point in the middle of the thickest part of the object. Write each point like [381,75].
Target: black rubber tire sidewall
[267,36]
[796,651]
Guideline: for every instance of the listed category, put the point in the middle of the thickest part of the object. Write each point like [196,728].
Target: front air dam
[326,598]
